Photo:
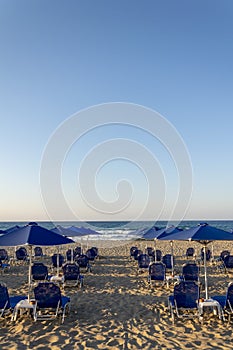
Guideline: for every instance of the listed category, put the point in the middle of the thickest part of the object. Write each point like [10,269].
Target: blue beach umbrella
[152,233]
[203,234]
[11,229]
[74,231]
[33,235]
[155,234]
[82,231]
[164,232]
[69,232]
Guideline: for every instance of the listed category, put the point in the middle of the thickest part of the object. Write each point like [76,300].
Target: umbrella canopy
[152,233]
[164,232]
[33,235]
[204,234]
[74,231]
[82,231]
[11,229]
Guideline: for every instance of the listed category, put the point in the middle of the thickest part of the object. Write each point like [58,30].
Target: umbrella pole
[155,249]
[30,272]
[72,254]
[87,243]
[205,270]
[212,245]
[81,246]
[58,250]
[172,259]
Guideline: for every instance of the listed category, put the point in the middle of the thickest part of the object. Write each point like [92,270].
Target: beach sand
[117,309]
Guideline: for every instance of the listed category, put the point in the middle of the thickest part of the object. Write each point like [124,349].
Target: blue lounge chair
[38,252]
[77,251]
[226,301]
[57,260]
[190,252]
[96,250]
[4,260]
[69,255]
[132,251]
[137,253]
[157,273]
[39,272]
[7,303]
[158,255]
[50,304]
[167,260]
[208,255]
[224,254]
[83,262]
[91,254]
[184,301]
[72,276]
[190,272]
[151,252]
[4,256]
[228,261]
[21,255]
[143,262]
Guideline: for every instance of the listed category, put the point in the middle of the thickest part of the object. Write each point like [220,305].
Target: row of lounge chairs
[185,302]
[70,272]
[21,256]
[48,302]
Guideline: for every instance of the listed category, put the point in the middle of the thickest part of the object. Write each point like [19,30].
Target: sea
[122,230]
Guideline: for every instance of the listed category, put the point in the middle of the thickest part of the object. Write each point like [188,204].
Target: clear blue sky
[59,57]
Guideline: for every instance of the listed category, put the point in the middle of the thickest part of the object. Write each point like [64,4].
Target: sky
[69,60]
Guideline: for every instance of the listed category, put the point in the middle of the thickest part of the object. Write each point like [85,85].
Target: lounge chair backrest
[3,254]
[21,253]
[82,260]
[208,254]
[68,254]
[224,254]
[95,250]
[158,255]
[77,251]
[190,272]
[229,296]
[143,261]
[167,260]
[190,252]
[38,251]
[90,253]
[71,271]
[39,271]
[47,295]
[137,253]
[60,260]
[157,271]
[186,294]
[228,261]
[4,297]
[133,250]
[150,251]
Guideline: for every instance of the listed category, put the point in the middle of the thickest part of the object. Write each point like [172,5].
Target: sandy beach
[116,309]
